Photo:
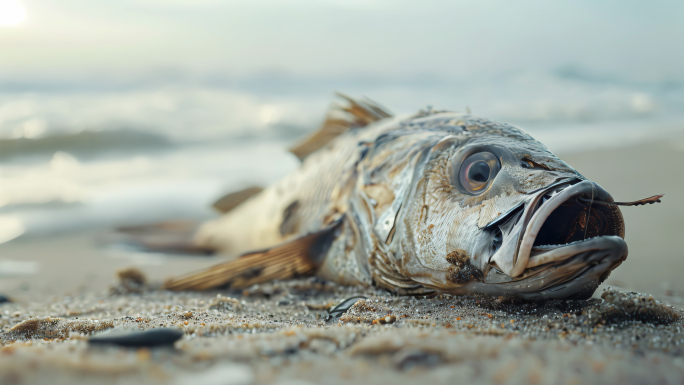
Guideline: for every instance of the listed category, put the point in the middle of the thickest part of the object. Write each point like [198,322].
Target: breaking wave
[85,145]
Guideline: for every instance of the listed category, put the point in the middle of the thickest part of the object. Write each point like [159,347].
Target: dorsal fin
[234,199]
[340,118]
[298,257]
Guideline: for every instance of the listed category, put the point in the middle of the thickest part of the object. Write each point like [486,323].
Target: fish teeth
[545,247]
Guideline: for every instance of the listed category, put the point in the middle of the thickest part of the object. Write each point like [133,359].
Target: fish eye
[477,172]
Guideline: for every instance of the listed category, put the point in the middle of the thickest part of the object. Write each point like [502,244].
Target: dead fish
[434,202]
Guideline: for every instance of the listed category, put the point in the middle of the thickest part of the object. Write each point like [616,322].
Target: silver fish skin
[438,202]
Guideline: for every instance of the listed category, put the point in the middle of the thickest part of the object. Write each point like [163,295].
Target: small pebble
[386,320]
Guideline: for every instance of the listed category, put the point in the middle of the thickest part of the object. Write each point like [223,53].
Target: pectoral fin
[299,257]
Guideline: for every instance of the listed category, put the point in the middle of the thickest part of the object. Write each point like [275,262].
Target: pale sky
[70,38]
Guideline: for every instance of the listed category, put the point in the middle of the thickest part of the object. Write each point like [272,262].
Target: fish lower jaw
[549,254]
[560,218]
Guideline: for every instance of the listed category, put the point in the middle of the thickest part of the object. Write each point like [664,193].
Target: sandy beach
[277,333]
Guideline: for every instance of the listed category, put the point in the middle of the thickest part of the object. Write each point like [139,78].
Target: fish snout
[557,224]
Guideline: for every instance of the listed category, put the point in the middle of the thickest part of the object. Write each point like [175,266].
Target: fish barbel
[435,202]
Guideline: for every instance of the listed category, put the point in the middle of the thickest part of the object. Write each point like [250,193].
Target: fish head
[493,211]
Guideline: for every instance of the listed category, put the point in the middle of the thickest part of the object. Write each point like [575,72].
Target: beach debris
[390,319]
[139,339]
[224,303]
[53,327]
[376,195]
[132,279]
[640,202]
[343,306]
[319,306]
[35,327]
[621,307]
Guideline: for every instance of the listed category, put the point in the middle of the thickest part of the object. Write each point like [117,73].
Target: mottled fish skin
[407,223]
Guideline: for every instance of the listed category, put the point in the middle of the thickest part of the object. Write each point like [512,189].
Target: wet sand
[277,333]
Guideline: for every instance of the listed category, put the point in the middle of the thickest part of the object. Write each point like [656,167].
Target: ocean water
[99,154]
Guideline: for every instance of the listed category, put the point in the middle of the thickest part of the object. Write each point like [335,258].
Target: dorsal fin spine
[355,113]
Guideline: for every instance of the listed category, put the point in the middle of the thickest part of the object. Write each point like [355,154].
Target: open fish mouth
[558,236]
[564,226]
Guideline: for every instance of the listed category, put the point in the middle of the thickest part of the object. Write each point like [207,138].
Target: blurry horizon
[182,39]
[130,64]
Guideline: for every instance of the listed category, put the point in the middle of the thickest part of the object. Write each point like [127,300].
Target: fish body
[436,201]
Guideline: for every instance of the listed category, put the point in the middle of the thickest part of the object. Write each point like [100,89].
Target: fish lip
[576,277]
[529,256]
[513,257]
[507,257]
[560,253]
[538,194]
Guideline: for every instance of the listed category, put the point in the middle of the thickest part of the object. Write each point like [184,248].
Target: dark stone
[140,339]
[4,299]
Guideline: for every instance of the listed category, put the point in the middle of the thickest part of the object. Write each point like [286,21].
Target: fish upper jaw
[554,226]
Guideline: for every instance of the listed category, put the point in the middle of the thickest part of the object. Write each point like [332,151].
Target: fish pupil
[479,172]
[476,171]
